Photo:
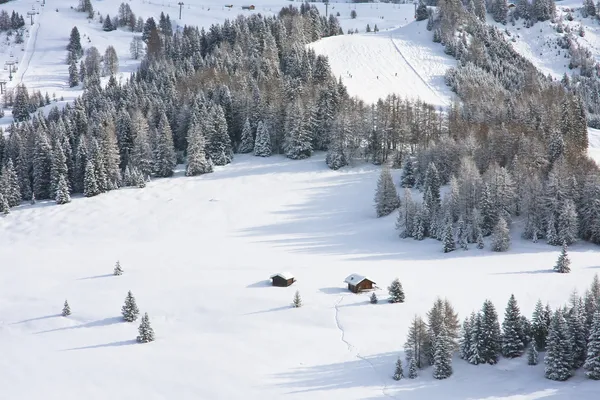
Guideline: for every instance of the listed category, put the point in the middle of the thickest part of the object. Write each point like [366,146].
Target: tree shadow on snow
[93,324]
[36,319]
[269,310]
[98,346]
[534,272]
[260,284]
[334,290]
[95,277]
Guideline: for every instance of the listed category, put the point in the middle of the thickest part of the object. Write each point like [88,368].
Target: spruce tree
[9,181]
[297,302]
[386,197]
[396,292]
[130,310]
[164,154]
[408,179]
[118,270]
[465,340]
[563,263]
[247,144]
[577,330]
[66,311]
[197,162]
[532,354]
[512,330]
[218,147]
[449,243]
[62,191]
[539,327]
[262,145]
[90,184]
[500,236]
[412,369]
[398,373]
[567,223]
[422,13]
[558,349]
[73,74]
[146,333]
[442,364]
[480,243]
[4,207]
[476,353]
[592,361]
[490,333]
[461,234]
[373,299]
[74,45]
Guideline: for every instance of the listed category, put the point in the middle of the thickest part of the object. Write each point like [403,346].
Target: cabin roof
[284,275]
[355,279]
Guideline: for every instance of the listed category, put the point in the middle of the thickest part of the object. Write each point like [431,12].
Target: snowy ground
[197,253]
[402,61]
[594,144]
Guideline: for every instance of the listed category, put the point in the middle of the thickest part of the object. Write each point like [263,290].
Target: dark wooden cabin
[358,283]
[283,279]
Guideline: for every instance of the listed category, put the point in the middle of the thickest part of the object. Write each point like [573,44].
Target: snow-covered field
[197,254]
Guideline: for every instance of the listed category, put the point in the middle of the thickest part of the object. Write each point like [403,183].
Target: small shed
[250,7]
[283,279]
[358,283]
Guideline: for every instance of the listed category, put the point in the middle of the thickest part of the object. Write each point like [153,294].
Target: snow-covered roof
[355,279]
[284,275]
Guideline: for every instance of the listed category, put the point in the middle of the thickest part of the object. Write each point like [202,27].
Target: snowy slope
[402,61]
[197,253]
[594,144]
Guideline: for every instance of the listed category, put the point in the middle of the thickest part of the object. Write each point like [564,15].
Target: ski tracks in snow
[351,348]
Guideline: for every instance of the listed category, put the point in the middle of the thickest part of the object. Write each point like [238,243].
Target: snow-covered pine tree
[563,264]
[130,310]
[74,45]
[461,234]
[592,361]
[386,196]
[490,333]
[297,302]
[66,311]
[218,146]
[196,149]
[404,222]
[90,184]
[449,243]
[4,207]
[396,292]
[480,243]
[141,154]
[73,74]
[500,236]
[247,142]
[539,328]
[558,349]
[298,141]
[373,299]
[62,191]
[442,311]
[164,153]
[9,181]
[413,371]
[398,372]
[567,223]
[432,183]
[414,347]
[577,330]
[512,330]
[532,354]
[465,340]
[118,270]
[442,364]
[551,232]
[422,13]
[262,145]
[408,179]
[418,224]
[146,333]
[476,352]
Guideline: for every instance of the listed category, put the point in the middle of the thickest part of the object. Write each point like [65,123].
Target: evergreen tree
[480,243]
[592,361]
[412,369]
[442,311]
[465,341]
[480,9]
[396,292]
[386,197]
[490,333]
[74,46]
[500,236]
[4,207]
[408,179]
[558,349]
[66,311]
[262,145]
[297,302]
[512,330]
[107,26]
[563,264]
[90,184]
[130,310]
[449,244]
[164,155]
[197,162]
[422,13]
[500,11]
[567,223]
[146,333]
[398,373]
[218,146]
[118,270]
[62,191]
[461,234]
[532,354]
[247,144]
[141,154]
[476,352]
[9,184]
[539,328]
[432,184]
[415,345]
[73,74]
[298,142]
[373,298]
[442,364]
[577,330]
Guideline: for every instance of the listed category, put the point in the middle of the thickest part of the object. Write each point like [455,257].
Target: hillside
[221,330]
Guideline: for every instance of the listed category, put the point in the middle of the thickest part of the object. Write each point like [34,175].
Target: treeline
[11,22]
[569,336]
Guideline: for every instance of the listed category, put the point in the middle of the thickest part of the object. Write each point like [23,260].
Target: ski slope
[402,61]
[197,254]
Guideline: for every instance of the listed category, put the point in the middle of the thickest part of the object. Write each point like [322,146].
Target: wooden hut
[283,279]
[358,283]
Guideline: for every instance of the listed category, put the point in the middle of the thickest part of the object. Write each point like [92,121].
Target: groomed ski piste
[198,252]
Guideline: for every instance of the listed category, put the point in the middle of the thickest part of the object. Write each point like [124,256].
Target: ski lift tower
[31,14]
[326,7]
[2,84]
[11,68]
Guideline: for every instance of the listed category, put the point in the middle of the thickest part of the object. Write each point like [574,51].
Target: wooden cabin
[283,279]
[250,7]
[358,283]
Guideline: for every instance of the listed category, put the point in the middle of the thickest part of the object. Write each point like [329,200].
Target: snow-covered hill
[197,254]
